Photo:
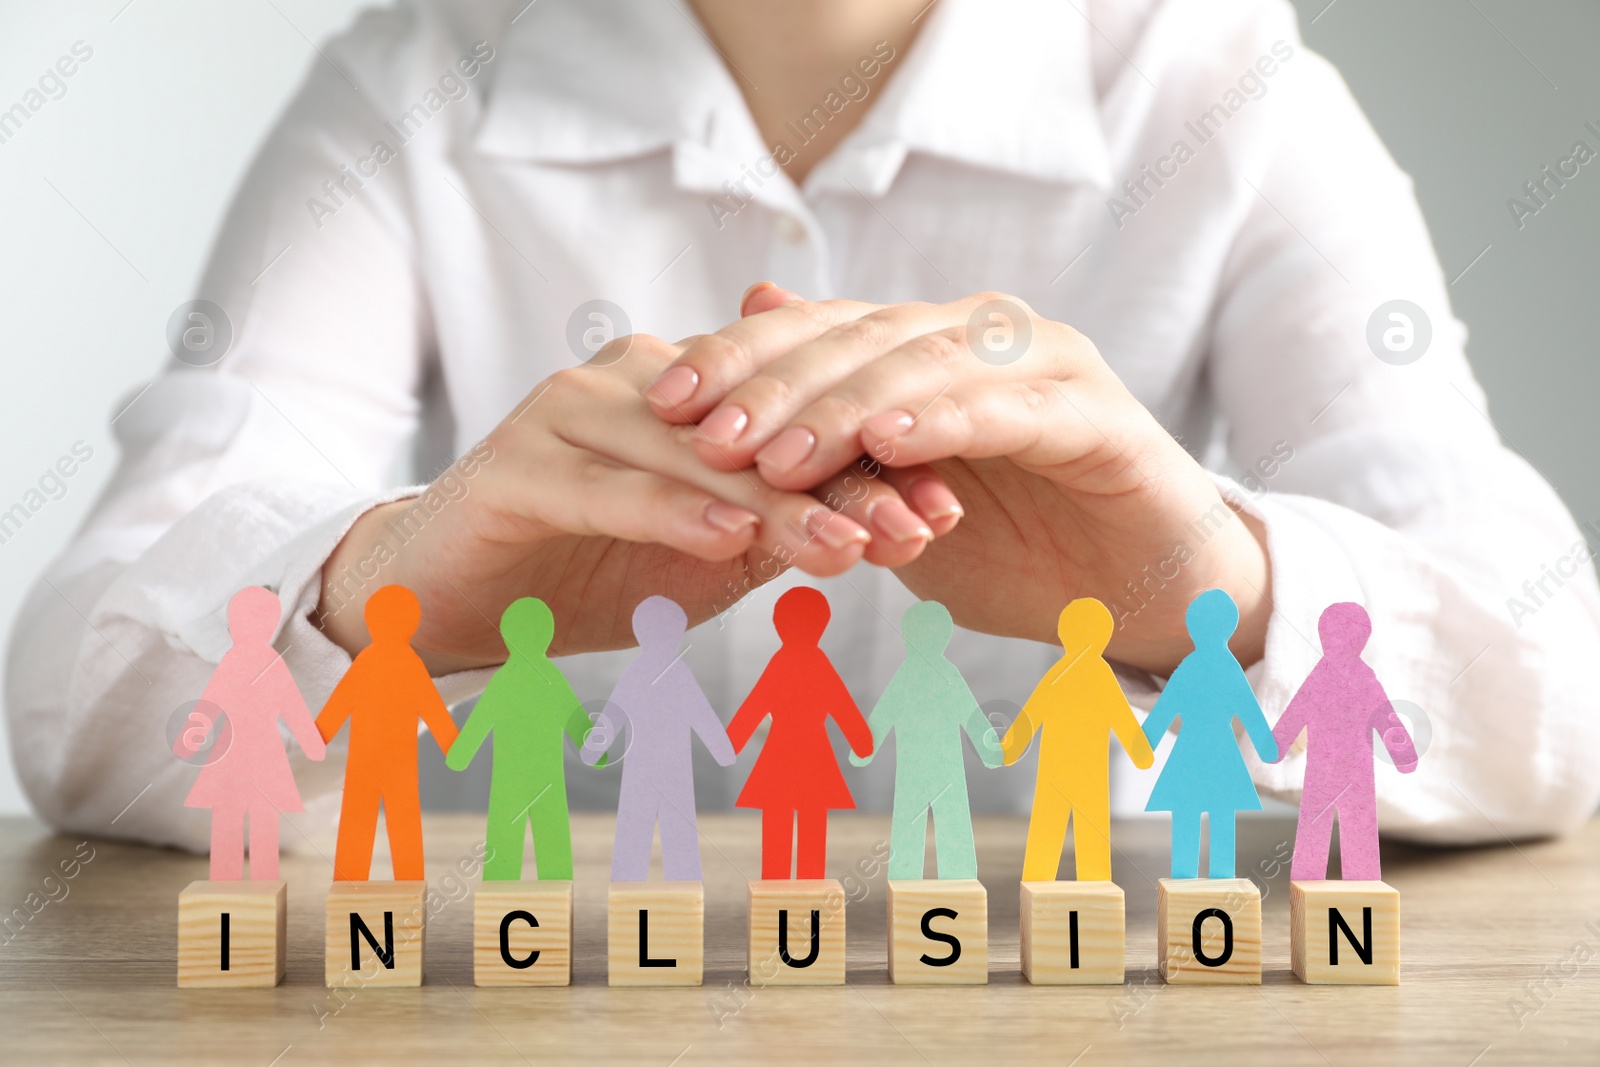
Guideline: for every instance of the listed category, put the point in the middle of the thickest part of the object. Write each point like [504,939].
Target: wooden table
[91,976]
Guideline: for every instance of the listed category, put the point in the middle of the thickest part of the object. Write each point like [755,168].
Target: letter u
[783,938]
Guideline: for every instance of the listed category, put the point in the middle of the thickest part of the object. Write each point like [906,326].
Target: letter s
[933,935]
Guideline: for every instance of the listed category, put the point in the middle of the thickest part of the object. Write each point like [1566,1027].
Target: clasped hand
[986,454]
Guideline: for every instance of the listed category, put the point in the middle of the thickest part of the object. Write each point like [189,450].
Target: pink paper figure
[253,689]
[1339,705]
[661,707]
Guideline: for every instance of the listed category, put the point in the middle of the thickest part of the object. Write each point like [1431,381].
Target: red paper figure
[797,775]
[253,689]
[383,693]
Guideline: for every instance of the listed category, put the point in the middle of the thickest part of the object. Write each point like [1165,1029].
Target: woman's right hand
[586,499]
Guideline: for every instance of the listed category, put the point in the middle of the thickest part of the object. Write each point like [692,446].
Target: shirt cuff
[294,572]
[1309,570]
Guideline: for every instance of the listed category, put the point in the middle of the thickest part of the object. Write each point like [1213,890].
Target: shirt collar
[1001,84]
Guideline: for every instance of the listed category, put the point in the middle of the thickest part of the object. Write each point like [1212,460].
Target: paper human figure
[1206,773]
[927,705]
[1339,706]
[383,694]
[659,707]
[530,709]
[796,777]
[250,778]
[1077,706]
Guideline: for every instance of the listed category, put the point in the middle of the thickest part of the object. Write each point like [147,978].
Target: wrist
[1235,561]
[361,563]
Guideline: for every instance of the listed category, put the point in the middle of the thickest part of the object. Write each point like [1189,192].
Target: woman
[246,775]
[1205,773]
[796,777]
[1092,286]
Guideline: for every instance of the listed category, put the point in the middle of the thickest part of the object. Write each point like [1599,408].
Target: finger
[923,491]
[764,296]
[750,417]
[890,391]
[636,358]
[594,497]
[716,362]
[867,494]
[1041,424]
[605,418]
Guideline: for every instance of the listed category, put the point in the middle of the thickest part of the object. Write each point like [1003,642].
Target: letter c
[505,941]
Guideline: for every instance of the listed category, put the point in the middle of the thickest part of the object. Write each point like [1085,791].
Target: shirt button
[791,229]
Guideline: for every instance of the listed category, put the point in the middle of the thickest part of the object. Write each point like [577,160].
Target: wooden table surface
[1501,964]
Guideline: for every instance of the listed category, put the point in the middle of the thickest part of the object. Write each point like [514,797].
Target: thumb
[764,296]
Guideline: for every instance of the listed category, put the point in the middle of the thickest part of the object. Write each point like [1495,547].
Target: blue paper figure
[1206,772]
[661,707]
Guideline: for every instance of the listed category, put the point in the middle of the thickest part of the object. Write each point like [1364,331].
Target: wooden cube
[938,931]
[796,932]
[522,933]
[1345,932]
[1209,930]
[655,933]
[232,934]
[1073,933]
[374,934]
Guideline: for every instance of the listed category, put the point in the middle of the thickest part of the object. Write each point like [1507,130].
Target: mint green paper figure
[529,707]
[927,705]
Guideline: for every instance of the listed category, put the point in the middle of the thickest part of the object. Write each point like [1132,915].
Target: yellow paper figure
[1077,705]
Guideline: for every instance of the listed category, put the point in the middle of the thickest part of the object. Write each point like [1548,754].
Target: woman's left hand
[1069,486]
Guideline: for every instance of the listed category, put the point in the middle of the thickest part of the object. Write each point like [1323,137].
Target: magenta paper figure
[1339,706]
[253,689]
[660,706]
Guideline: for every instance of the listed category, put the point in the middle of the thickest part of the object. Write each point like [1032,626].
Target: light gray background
[111,195]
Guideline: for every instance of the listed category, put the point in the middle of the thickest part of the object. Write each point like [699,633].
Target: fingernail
[897,521]
[675,385]
[888,424]
[752,291]
[724,425]
[788,450]
[834,530]
[933,499]
[728,518]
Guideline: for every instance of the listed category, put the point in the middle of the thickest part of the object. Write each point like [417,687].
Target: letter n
[1363,947]
[358,930]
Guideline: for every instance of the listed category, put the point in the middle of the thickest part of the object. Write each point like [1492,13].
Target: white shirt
[598,151]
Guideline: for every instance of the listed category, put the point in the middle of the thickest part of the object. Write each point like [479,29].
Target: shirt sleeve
[1379,478]
[244,471]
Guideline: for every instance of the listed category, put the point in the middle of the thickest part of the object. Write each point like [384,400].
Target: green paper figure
[927,705]
[529,706]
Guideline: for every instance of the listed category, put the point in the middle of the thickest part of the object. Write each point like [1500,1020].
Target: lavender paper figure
[1340,704]
[658,704]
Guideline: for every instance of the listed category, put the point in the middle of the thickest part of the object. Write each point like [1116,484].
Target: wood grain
[87,976]
[1227,948]
[1048,929]
[909,901]
[1320,952]
[395,917]
[811,911]
[257,925]
[670,919]
[549,903]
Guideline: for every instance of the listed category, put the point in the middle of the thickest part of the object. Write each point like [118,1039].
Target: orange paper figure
[1078,705]
[797,776]
[383,694]
[252,688]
